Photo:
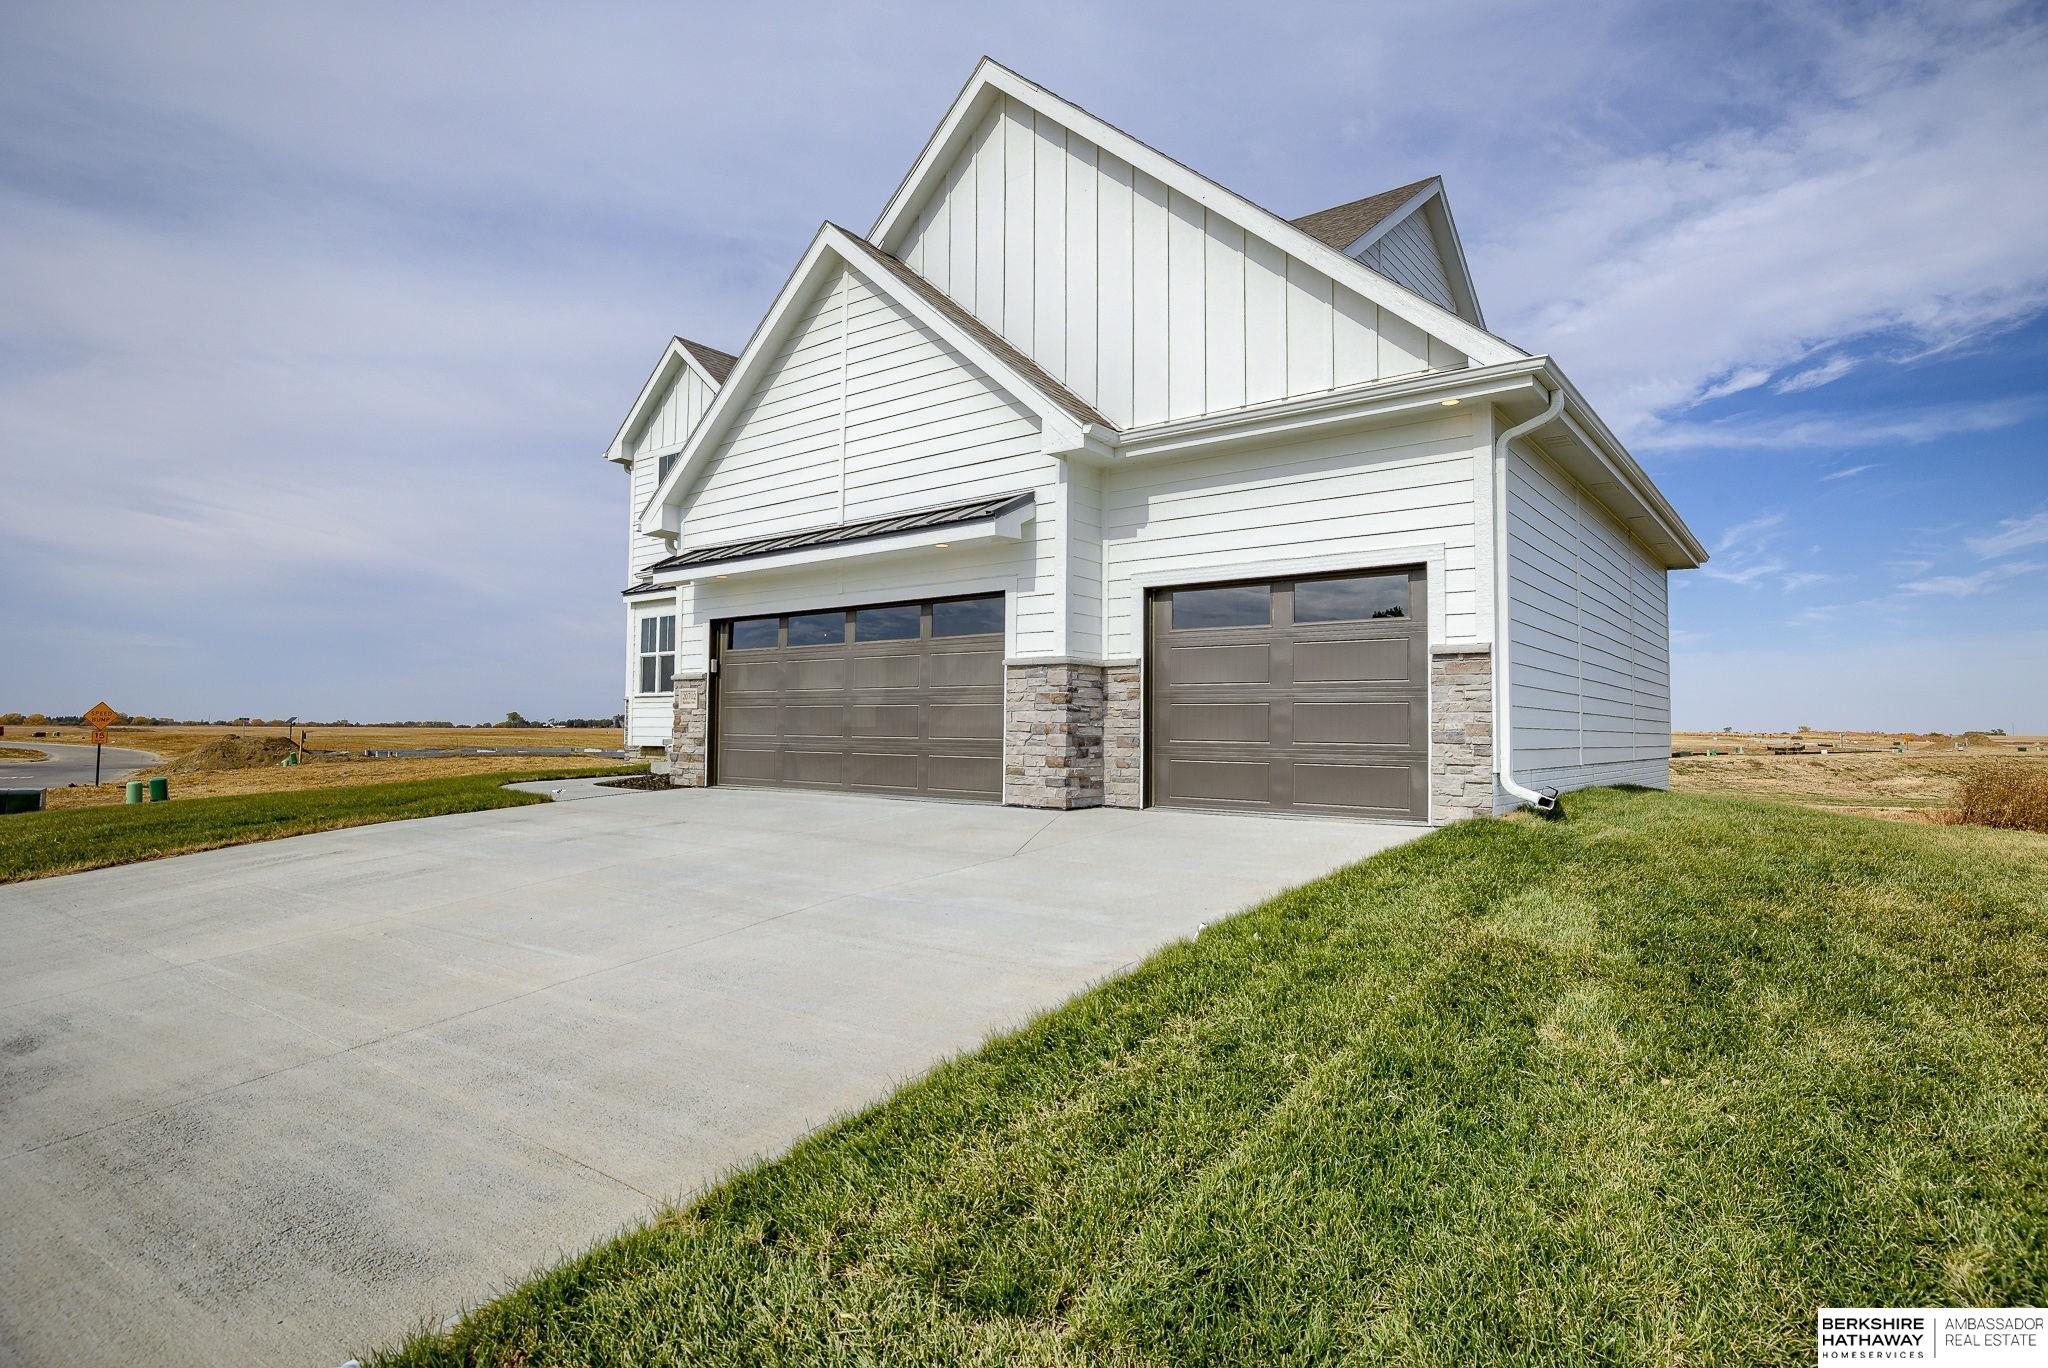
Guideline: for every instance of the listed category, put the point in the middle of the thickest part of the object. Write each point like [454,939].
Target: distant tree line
[512,719]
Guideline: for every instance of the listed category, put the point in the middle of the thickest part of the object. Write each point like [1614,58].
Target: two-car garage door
[902,698]
[1295,695]
[1305,695]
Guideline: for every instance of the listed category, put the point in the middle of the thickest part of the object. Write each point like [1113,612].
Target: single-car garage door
[894,698]
[1295,695]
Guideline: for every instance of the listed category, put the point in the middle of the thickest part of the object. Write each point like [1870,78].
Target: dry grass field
[330,745]
[1912,785]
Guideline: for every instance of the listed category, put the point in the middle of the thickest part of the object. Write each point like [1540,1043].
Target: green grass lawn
[33,844]
[1649,1084]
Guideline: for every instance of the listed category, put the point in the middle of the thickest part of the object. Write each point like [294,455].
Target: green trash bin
[134,790]
[159,789]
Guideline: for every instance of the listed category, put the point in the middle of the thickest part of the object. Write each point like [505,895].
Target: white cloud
[1849,472]
[1745,378]
[1834,368]
[1967,586]
[2012,534]
[1896,206]
[1839,431]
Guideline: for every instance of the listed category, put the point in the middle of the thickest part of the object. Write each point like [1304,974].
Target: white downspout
[1542,800]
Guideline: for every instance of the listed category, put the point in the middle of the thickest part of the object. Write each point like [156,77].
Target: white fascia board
[657,518]
[1434,203]
[674,358]
[1006,527]
[1291,419]
[1386,225]
[1591,431]
[1061,431]
[991,76]
[832,249]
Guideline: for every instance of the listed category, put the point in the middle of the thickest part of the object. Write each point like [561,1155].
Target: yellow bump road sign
[98,716]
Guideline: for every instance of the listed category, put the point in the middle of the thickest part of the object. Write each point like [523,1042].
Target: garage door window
[967,616]
[753,634]
[818,629]
[896,623]
[657,653]
[1358,598]
[1235,605]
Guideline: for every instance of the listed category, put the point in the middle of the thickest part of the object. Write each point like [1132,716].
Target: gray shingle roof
[948,515]
[718,363]
[1343,224]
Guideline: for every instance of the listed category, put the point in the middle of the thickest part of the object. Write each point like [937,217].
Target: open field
[21,754]
[177,743]
[62,842]
[1645,1085]
[1911,786]
[171,742]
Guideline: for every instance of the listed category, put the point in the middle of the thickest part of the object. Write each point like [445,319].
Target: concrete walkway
[284,1102]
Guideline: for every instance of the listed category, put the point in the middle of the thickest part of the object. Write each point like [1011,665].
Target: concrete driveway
[284,1102]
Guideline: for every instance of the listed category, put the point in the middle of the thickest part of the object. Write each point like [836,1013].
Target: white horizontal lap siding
[1349,500]
[666,426]
[1133,296]
[869,414]
[1590,638]
[649,719]
[1408,256]
[776,468]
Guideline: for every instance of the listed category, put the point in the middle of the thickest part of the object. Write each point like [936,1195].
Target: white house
[1078,479]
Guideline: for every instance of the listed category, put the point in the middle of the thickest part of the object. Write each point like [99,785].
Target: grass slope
[34,844]
[1647,1085]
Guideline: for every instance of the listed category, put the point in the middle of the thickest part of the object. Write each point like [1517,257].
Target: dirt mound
[233,753]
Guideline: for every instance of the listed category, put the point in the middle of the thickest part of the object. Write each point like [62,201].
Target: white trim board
[1430,555]
[831,250]
[991,79]
[674,357]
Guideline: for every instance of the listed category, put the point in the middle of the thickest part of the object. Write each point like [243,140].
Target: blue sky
[314,320]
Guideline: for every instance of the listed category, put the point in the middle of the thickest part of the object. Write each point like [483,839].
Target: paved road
[280,1103]
[69,764]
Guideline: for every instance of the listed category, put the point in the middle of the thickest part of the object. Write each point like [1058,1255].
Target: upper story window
[664,464]
[657,653]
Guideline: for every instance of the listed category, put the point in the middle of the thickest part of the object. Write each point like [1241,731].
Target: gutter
[1542,800]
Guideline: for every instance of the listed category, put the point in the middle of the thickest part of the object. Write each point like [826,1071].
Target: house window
[658,653]
[664,464]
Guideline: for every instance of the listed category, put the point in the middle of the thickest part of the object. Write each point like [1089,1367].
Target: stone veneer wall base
[1461,782]
[1052,734]
[689,761]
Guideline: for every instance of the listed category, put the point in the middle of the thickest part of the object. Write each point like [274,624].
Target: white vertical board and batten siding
[666,426]
[1408,255]
[1589,637]
[865,413]
[1342,501]
[1140,300]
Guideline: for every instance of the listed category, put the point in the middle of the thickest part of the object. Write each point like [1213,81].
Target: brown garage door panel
[1251,709]
[901,715]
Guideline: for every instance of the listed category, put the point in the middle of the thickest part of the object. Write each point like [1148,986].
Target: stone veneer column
[1460,732]
[688,761]
[1123,735]
[1052,734]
